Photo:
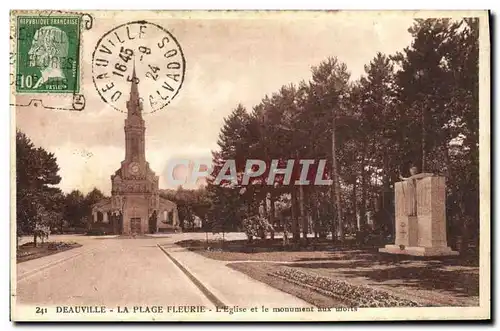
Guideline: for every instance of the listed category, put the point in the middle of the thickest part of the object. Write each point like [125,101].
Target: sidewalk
[31,267]
[231,287]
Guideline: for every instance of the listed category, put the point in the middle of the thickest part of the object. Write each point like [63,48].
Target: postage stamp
[48,54]
[250,166]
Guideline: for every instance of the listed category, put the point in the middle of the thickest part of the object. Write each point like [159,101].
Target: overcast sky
[228,61]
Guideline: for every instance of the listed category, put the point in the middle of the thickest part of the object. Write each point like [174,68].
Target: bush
[54,246]
[42,232]
[257,227]
[74,230]
[96,232]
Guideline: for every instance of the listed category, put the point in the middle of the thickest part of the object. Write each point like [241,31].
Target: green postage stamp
[48,54]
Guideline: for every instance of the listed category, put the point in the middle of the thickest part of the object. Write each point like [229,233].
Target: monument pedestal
[418,251]
[423,234]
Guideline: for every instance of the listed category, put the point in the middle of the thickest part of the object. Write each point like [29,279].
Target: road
[108,271]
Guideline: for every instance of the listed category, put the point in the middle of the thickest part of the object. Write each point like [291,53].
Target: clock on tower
[134,168]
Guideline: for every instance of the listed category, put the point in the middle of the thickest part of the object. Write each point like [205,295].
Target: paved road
[114,272]
[136,272]
[107,272]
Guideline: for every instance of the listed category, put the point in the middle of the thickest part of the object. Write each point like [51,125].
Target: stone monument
[420,203]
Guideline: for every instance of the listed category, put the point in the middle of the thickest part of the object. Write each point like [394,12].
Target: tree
[76,209]
[227,204]
[418,107]
[438,83]
[36,197]
[373,100]
[330,84]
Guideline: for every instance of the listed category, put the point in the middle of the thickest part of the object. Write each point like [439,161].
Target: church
[135,206]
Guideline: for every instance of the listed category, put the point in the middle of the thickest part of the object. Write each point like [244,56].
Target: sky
[230,59]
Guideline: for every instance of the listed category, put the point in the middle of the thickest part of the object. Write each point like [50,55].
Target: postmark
[48,54]
[154,53]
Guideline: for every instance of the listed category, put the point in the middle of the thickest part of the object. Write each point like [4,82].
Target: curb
[210,296]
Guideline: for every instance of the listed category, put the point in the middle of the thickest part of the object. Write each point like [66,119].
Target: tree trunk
[295,223]
[385,225]
[450,234]
[336,182]
[465,234]
[362,207]
[266,215]
[314,217]
[34,238]
[315,214]
[318,222]
[354,200]
[333,213]
[424,133]
[302,216]
[272,213]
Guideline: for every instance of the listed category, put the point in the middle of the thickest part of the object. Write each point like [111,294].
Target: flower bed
[24,254]
[353,295]
[57,246]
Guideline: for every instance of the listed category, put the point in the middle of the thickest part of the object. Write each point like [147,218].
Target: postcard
[250,165]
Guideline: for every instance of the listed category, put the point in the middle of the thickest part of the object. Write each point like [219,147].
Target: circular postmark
[155,55]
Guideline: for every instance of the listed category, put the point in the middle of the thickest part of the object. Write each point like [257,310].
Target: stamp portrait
[48,54]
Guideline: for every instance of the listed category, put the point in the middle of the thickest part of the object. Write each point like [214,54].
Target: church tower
[135,129]
[135,206]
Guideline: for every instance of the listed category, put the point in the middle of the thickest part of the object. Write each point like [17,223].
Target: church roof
[101,203]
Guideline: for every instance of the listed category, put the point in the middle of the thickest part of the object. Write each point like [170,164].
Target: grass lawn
[260,250]
[425,281]
[28,251]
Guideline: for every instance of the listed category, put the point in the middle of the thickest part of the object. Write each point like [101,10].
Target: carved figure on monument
[410,189]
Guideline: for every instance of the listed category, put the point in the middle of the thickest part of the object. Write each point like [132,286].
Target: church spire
[134,104]
[134,124]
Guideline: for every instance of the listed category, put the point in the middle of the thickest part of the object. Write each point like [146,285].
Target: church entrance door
[135,225]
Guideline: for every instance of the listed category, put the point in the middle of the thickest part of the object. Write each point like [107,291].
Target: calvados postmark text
[154,53]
